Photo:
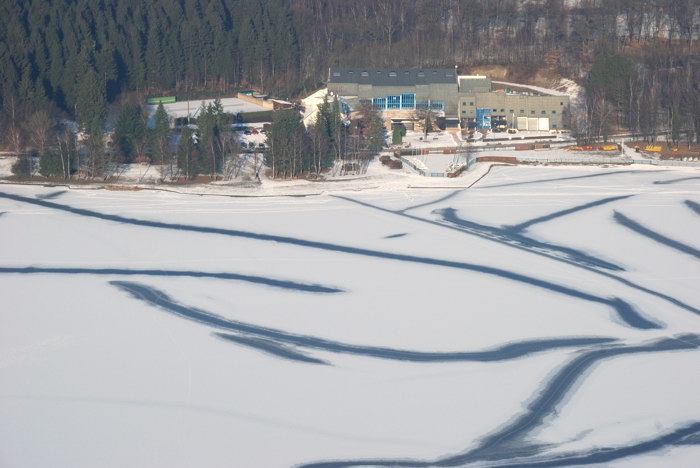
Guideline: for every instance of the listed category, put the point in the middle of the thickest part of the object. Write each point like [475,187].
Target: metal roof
[393,76]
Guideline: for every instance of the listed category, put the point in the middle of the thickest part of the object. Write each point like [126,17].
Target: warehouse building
[397,89]
[468,99]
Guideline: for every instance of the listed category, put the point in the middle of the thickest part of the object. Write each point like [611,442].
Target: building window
[561,103]
[554,112]
[464,103]
[554,125]
[421,74]
[364,73]
[408,101]
[495,110]
[464,112]
[379,103]
[393,73]
[512,111]
[503,110]
[337,73]
[522,111]
[471,103]
[544,112]
[393,102]
[532,112]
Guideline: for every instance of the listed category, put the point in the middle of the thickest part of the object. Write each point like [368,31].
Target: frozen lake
[543,317]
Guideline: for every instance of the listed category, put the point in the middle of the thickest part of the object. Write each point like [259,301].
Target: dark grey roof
[393,76]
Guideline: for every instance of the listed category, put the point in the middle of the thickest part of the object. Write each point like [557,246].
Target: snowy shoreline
[377,178]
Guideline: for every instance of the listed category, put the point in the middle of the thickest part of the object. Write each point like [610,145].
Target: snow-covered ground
[546,316]
[182,109]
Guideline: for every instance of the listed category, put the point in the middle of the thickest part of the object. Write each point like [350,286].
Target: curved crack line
[513,239]
[503,445]
[675,181]
[655,236]
[158,298]
[676,437]
[693,206]
[624,310]
[284,284]
[606,274]
[559,214]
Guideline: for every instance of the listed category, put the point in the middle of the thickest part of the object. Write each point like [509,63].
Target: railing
[654,162]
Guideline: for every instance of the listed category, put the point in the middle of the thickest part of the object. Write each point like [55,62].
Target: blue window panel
[483,119]
[379,103]
[408,101]
[393,102]
[344,107]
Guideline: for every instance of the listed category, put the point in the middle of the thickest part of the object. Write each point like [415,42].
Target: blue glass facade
[404,101]
[379,103]
[483,119]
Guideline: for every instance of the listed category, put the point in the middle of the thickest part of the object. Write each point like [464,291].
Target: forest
[638,60]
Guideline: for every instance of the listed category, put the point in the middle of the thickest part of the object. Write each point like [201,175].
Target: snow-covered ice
[545,316]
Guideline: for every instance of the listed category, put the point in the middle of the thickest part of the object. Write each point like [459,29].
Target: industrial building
[469,100]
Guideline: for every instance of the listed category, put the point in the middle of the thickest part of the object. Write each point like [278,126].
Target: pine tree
[91,105]
[287,140]
[50,164]
[161,140]
[124,130]
[396,136]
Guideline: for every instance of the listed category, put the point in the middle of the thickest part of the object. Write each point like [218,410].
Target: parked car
[251,145]
[254,132]
[247,132]
[262,146]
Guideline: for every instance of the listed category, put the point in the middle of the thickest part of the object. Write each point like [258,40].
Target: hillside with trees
[639,60]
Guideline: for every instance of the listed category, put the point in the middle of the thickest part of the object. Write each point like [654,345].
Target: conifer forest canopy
[57,53]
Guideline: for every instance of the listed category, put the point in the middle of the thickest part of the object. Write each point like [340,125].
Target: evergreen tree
[397,135]
[50,164]
[161,140]
[91,105]
[124,130]
[22,168]
[331,132]
[211,123]
[287,155]
[377,134]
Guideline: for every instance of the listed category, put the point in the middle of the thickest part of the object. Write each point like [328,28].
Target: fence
[654,162]
[472,158]
[575,160]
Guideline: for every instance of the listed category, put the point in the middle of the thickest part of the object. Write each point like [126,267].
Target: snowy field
[182,109]
[546,316]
